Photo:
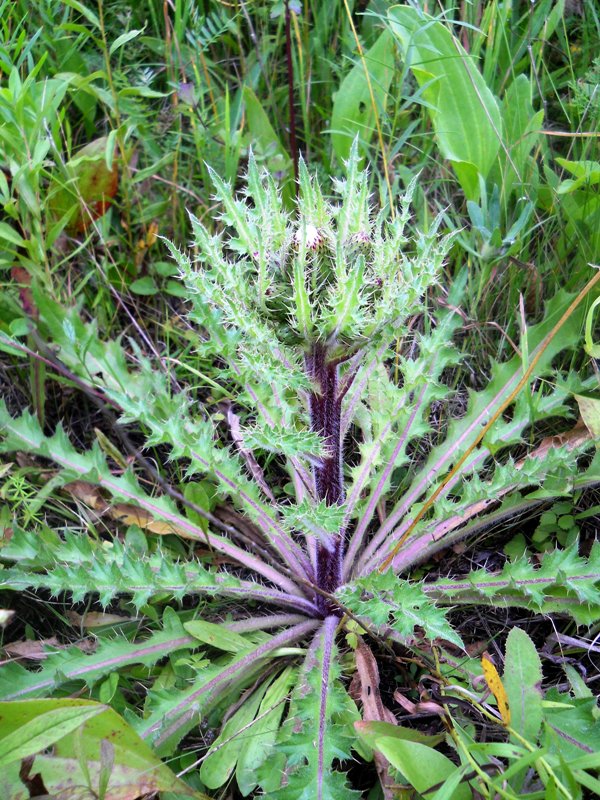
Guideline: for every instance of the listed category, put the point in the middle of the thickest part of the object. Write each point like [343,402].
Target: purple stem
[328,637]
[265,623]
[325,418]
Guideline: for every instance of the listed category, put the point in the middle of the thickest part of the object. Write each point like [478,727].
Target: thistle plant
[328,437]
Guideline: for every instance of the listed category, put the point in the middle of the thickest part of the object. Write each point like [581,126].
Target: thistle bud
[361,238]
[311,235]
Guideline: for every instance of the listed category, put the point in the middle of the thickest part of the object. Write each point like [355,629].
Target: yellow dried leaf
[133,515]
[126,513]
[496,687]
[152,234]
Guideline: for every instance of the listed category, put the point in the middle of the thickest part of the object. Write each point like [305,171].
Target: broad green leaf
[515,169]
[586,173]
[217,636]
[9,234]
[263,734]
[422,766]
[571,726]
[196,493]
[371,732]
[79,757]
[464,112]
[82,9]
[224,752]
[591,349]
[522,679]
[144,286]
[265,141]
[353,113]
[42,730]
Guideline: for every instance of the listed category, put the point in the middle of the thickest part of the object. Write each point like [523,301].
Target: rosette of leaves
[338,473]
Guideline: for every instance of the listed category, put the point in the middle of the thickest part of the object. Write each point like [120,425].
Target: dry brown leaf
[95,619]
[373,709]
[33,650]
[422,707]
[126,513]
[40,649]
[571,439]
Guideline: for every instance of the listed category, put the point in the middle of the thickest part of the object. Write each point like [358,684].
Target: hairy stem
[325,405]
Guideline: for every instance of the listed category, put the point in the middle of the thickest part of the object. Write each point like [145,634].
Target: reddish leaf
[90,185]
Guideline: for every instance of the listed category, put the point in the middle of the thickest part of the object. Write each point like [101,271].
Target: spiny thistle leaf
[564,582]
[72,665]
[314,735]
[384,600]
[80,566]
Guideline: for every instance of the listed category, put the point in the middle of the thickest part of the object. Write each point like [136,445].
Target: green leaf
[522,680]
[353,114]
[587,173]
[265,141]
[372,731]
[9,234]
[144,286]
[225,750]
[41,731]
[571,726]
[563,582]
[258,745]
[464,112]
[79,754]
[422,766]
[515,169]
[314,735]
[62,666]
[123,39]
[384,599]
[591,349]
[217,636]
